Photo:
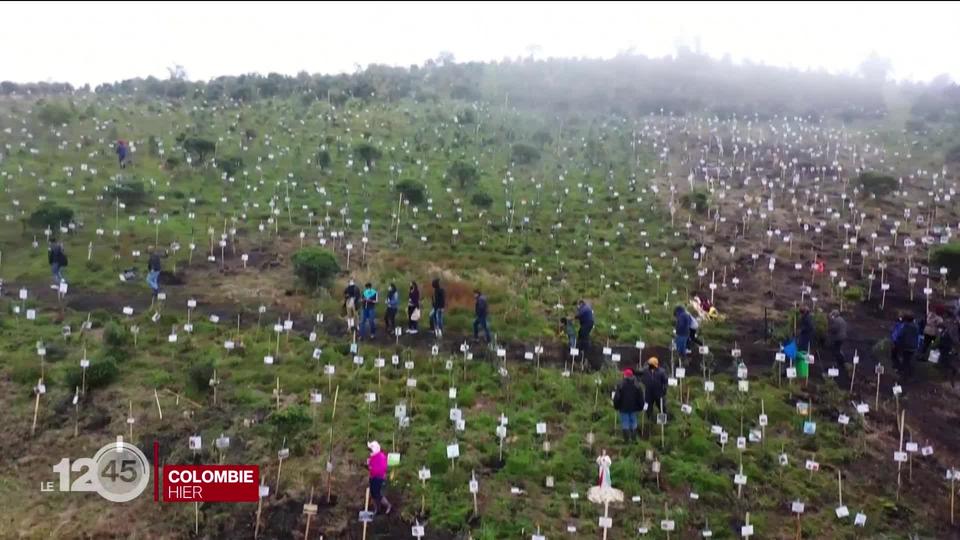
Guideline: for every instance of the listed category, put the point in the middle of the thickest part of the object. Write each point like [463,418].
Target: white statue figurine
[603,462]
[604,492]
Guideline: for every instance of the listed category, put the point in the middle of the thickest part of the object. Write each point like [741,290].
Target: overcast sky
[95,42]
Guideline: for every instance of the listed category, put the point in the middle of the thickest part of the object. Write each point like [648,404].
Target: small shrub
[542,138]
[467,116]
[481,200]
[854,294]
[230,165]
[524,154]
[953,154]
[696,202]
[100,374]
[25,374]
[947,256]
[368,153]
[50,214]
[117,336]
[199,148]
[412,190]
[323,159]
[199,375]
[315,266]
[291,421]
[464,173]
[130,192]
[878,185]
[55,114]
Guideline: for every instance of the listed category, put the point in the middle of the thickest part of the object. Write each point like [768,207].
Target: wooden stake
[306,531]
[36,408]
[366,508]
[900,463]
[280,468]
[76,412]
[256,528]
[953,492]
[157,397]
[853,376]
[476,511]
[876,404]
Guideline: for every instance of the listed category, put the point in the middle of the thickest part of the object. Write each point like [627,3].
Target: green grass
[531,270]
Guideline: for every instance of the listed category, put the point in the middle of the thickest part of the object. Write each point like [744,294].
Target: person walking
[567,328]
[906,338]
[413,308]
[122,153]
[949,337]
[584,316]
[480,310]
[654,381]
[931,329]
[377,467]
[369,315]
[681,327]
[694,328]
[351,300]
[57,259]
[628,400]
[393,303]
[153,272]
[439,304]
[836,336]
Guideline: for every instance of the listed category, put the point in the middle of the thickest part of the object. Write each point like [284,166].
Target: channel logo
[119,472]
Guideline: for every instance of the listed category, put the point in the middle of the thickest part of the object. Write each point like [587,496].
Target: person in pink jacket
[377,465]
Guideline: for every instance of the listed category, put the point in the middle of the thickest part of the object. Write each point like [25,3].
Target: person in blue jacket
[393,304]
[585,317]
[122,153]
[369,313]
[682,329]
[906,340]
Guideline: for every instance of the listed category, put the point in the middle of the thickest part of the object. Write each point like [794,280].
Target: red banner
[211,483]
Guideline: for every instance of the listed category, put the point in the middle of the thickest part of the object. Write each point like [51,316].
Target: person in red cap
[628,401]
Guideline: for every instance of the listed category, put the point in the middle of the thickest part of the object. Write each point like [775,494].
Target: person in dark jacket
[122,153]
[393,303]
[947,344]
[439,304]
[805,329]
[351,300]
[683,322]
[906,338]
[153,272]
[654,381]
[480,311]
[585,318]
[413,308]
[628,401]
[57,259]
[836,336]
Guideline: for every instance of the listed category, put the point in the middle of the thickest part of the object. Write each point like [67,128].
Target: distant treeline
[628,84]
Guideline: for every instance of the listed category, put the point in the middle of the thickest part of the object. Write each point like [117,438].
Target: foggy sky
[105,42]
